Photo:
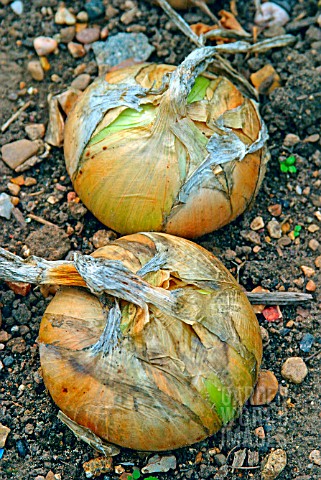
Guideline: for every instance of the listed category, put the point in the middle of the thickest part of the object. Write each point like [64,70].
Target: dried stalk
[221,65]
[15,116]
[102,276]
[180,23]
[278,298]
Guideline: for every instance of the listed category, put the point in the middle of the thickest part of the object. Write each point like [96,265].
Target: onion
[150,343]
[159,148]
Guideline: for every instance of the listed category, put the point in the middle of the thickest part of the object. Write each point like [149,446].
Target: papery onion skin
[168,383]
[132,179]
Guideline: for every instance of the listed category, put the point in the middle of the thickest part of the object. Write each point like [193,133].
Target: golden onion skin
[169,382]
[133,180]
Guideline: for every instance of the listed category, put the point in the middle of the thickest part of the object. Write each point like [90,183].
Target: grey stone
[118,48]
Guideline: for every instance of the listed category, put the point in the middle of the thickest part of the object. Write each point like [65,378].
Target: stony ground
[39,445]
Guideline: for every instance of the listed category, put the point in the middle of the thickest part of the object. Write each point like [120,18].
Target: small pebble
[45,64]
[45,45]
[67,34]
[52,200]
[284,391]
[35,130]
[313,228]
[257,223]
[306,342]
[64,17]
[111,11]
[275,209]
[95,9]
[35,69]
[5,206]
[264,335]
[8,361]
[17,7]
[18,180]
[315,457]
[20,288]
[259,432]
[220,459]
[129,16]
[122,47]
[312,138]
[76,50]
[16,153]
[159,464]
[77,210]
[311,286]
[82,17]
[97,466]
[4,336]
[88,35]
[308,271]
[55,78]
[251,236]
[274,464]
[103,237]
[4,432]
[13,189]
[317,262]
[22,448]
[81,82]
[274,229]
[291,139]
[265,389]
[314,244]
[29,429]
[119,469]
[104,33]
[294,369]
[272,314]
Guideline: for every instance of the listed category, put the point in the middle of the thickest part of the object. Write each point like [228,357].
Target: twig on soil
[41,220]
[243,468]
[231,451]
[203,6]
[278,298]
[316,354]
[35,194]
[15,116]
[180,22]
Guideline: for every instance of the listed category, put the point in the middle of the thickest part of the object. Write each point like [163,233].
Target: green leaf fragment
[292,169]
[290,160]
[129,118]
[284,168]
[221,399]
[198,91]
[136,474]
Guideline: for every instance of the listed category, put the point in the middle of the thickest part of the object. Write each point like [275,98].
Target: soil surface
[39,445]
